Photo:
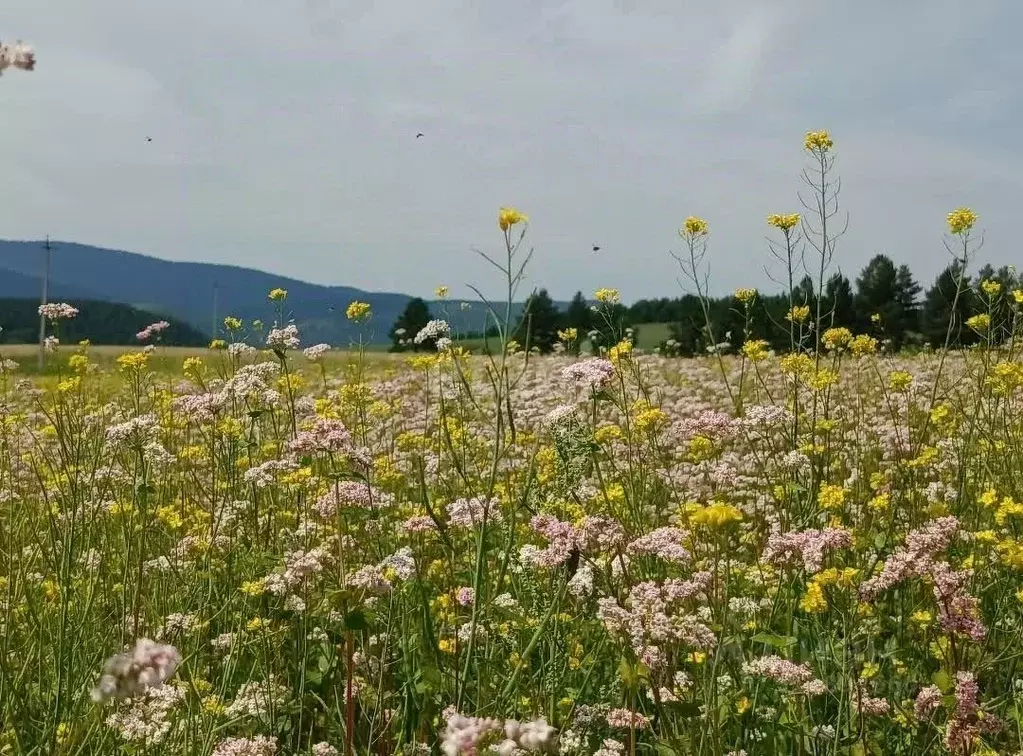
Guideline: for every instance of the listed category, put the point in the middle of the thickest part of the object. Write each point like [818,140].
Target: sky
[284,133]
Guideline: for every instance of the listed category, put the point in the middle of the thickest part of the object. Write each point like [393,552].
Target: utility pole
[216,291]
[45,298]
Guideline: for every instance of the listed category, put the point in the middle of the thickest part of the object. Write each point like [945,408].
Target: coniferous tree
[540,323]
[839,303]
[945,312]
[411,321]
[907,298]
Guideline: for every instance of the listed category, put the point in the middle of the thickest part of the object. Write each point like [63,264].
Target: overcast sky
[283,131]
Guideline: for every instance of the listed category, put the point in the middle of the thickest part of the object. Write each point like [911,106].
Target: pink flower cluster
[665,543]
[626,719]
[315,353]
[326,435]
[562,539]
[805,545]
[916,559]
[349,494]
[595,374]
[282,339]
[260,745]
[470,513]
[465,735]
[55,311]
[967,720]
[785,672]
[154,329]
[148,664]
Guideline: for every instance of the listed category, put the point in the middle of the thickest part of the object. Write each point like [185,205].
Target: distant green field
[649,335]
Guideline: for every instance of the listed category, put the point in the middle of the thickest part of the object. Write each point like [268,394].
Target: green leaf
[627,673]
[356,620]
[777,641]
[663,749]
[942,680]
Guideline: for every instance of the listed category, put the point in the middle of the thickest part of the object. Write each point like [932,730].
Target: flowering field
[269,552]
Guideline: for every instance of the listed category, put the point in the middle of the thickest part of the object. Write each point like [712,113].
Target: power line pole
[216,291]
[43,301]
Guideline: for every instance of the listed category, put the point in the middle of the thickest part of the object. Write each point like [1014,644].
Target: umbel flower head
[126,675]
[19,55]
[961,220]
[509,216]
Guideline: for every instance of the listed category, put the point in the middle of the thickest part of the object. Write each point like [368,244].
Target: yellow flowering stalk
[785,222]
[509,216]
[693,227]
[961,220]
[818,142]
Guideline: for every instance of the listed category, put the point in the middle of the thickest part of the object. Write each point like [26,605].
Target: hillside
[185,290]
[100,322]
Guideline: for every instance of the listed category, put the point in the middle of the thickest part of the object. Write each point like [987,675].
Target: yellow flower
[796,364]
[798,314]
[742,705]
[755,351]
[716,515]
[745,295]
[569,335]
[922,618]
[818,141]
[130,361]
[693,227]
[357,311]
[869,671]
[232,323]
[277,295]
[979,323]
[831,496]
[785,222]
[218,344]
[607,296]
[619,351]
[837,338]
[441,292]
[990,287]
[253,588]
[899,380]
[509,216]
[1017,295]
[446,645]
[961,220]
[813,601]
[863,345]
[875,318]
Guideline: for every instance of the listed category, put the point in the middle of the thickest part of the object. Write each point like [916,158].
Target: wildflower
[716,515]
[693,227]
[509,216]
[863,345]
[261,745]
[961,220]
[990,287]
[807,545]
[232,323]
[607,296]
[785,222]
[756,350]
[277,295]
[625,719]
[127,675]
[745,295]
[927,702]
[316,352]
[569,335]
[357,312]
[818,142]
[152,330]
[979,323]
[441,292]
[836,338]
[282,339]
[58,311]
[798,314]
[435,329]
[831,496]
[595,373]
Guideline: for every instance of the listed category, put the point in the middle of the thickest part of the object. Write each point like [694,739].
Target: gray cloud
[283,133]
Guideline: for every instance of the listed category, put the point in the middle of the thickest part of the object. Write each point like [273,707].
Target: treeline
[885,301]
[107,323]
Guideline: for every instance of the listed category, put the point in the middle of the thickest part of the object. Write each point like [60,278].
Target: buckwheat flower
[580,584]
[465,596]
[19,55]
[324,749]
[809,546]
[433,330]
[665,543]
[595,374]
[155,329]
[127,675]
[610,748]
[927,702]
[145,718]
[282,339]
[261,745]
[778,669]
[470,513]
[255,699]
[627,720]
[55,311]
[315,353]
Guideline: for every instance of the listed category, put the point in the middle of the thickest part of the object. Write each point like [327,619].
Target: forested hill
[100,322]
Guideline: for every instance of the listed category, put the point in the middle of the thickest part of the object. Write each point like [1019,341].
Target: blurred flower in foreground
[18,55]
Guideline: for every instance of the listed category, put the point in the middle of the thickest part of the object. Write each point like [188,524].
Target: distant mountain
[202,293]
[108,323]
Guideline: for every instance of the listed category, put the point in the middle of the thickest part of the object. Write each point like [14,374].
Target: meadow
[295,550]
